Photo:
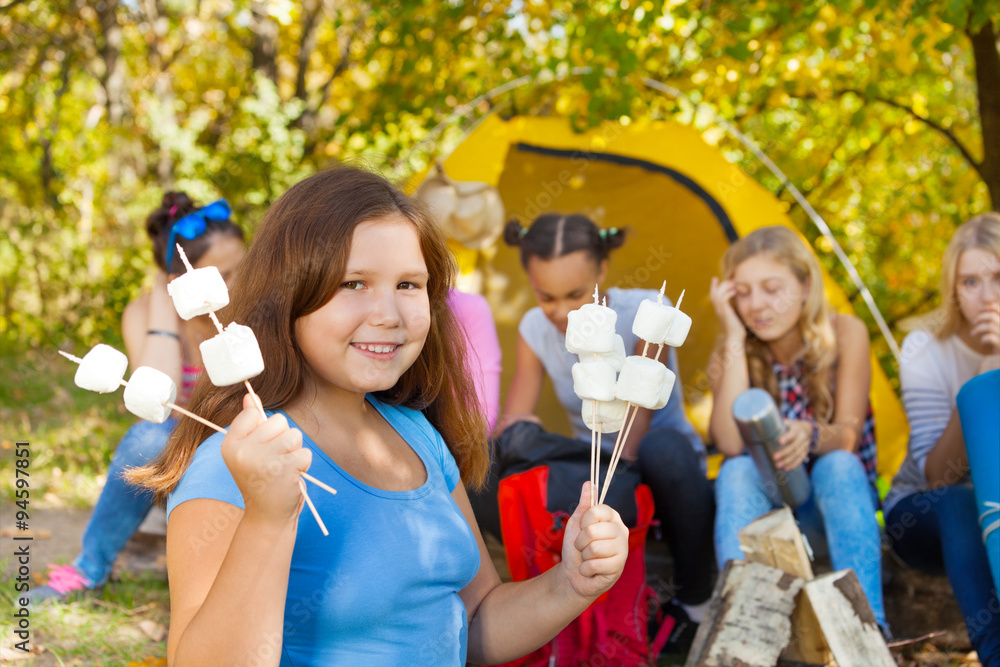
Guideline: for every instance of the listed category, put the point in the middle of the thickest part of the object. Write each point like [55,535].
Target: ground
[128,617]
[73,434]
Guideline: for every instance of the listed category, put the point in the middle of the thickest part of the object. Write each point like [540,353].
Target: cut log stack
[770,609]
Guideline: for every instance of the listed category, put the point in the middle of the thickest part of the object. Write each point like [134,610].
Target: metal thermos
[760,426]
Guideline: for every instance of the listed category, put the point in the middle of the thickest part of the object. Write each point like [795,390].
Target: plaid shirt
[795,405]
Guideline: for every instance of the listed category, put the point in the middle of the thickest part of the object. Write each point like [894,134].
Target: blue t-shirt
[549,345]
[382,588]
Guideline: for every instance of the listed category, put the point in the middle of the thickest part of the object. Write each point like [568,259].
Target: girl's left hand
[794,444]
[595,546]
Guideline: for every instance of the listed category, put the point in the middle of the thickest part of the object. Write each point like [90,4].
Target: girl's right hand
[721,293]
[266,459]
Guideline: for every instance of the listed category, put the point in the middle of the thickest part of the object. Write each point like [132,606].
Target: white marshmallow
[652,321]
[232,356]
[678,330]
[591,328]
[640,381]
[610,415]
[665,389]
[147,391]
[198,292]
[615,357]
[101,370]
[594,380]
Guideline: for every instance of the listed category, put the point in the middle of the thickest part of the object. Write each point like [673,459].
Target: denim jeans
[121,508]
[938,532]
[839,517]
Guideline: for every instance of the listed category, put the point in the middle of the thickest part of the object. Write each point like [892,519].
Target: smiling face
[769,297]
[977,283]
[563,284]
[374,327]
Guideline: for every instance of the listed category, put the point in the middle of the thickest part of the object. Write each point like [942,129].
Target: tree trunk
[987,59]
[112,80]
[265,41]
[163,87]
[307,44]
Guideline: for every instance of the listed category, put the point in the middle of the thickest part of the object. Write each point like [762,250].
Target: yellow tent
[684,203]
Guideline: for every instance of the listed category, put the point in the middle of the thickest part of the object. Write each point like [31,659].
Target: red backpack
[613,630]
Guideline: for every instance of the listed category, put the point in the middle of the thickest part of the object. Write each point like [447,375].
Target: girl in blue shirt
[345,287]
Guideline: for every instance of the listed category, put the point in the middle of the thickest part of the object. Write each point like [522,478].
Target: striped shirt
[931,372]
[795,405]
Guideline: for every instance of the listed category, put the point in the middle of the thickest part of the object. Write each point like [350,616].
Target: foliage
[871,107]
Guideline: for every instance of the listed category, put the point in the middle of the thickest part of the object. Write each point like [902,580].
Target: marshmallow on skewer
[640,381]
[594,380]
[610,415]
[232,356]
[615,357]
[653,319]
[147,392]
[665,389]
[679,328]
[101,370]
[198,292]
[591,329]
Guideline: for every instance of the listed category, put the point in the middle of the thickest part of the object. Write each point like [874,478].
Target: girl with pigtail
[564,257]
[780,334]
[154,336]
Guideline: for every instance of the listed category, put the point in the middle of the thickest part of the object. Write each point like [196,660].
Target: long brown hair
[293,267]
[819,350]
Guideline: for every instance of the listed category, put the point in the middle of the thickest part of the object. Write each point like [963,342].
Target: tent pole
[803,202]
[465,110]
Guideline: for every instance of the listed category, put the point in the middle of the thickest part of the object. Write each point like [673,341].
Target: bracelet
[814,441]
[168,334]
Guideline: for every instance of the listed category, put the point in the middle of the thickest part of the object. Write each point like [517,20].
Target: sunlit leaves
[842,95]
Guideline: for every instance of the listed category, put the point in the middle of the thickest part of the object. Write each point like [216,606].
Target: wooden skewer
[312,508]
[187,413]
[618,451]
[623,435]
[326,487]
[597,463]
[593,452]
[260,408]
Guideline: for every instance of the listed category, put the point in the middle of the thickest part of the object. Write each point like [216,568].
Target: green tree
[887,115]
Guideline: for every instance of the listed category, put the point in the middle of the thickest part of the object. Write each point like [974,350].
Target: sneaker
[672,631]
[64,581]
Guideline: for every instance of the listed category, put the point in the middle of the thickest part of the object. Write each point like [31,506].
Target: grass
[109,627]
[72,435]
[72,432]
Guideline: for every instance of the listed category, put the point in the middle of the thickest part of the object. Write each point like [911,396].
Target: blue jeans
[839,517]
[121,508]
[938,532]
